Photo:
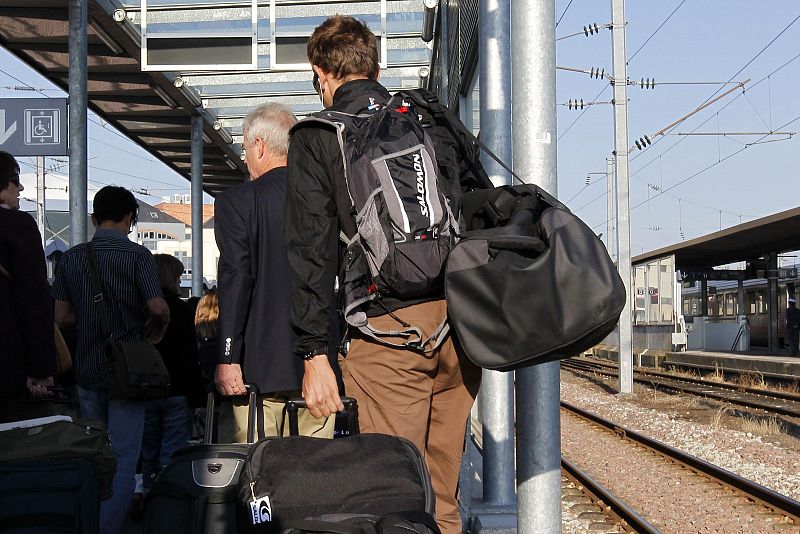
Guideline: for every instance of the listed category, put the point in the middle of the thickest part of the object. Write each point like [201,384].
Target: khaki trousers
[423,398]
[274,419]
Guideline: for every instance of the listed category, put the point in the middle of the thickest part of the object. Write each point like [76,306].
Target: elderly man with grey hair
[254,287]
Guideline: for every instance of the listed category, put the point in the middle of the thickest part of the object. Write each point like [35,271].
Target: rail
[712,390]
[618,508]
[755,491]
[625,512]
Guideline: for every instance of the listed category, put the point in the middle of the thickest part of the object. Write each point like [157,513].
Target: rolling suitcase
[59,495]
[53,474]
[196,492]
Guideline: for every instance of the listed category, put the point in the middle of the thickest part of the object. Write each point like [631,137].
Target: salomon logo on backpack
[403,226]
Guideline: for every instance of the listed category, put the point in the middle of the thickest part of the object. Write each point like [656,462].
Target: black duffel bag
[529,282]
[362,484]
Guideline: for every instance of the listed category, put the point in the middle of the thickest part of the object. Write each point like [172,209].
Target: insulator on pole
[597,72]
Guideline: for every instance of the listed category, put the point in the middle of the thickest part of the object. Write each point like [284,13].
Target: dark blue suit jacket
[255,287]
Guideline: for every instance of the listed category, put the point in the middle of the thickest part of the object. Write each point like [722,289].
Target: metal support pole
[740,299]
[704,298]
[623,206]
[533,83]
[496,396]
[610,219]
[40,198]
[772,303]
[78,109]
[197,205]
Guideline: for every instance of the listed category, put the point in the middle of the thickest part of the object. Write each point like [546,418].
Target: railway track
[674,491]
[588,500]
[776,402]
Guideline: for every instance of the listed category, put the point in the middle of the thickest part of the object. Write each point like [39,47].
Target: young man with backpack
[368,223]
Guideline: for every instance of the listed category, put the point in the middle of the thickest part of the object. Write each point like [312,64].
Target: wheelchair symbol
[40,130]
[42,126]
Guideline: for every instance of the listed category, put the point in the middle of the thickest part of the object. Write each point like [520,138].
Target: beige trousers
[274,419]
[424,398]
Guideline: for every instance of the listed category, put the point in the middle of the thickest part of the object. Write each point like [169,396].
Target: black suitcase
[196,492]
[58,495]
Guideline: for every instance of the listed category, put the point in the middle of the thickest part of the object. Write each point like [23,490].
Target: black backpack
[404,226]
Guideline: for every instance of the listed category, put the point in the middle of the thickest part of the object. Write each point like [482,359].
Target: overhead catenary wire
[682,139]
[703,170]
[583,112]
[655,32]
[564,13]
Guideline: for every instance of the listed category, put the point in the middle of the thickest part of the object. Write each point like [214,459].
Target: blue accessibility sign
[33,126]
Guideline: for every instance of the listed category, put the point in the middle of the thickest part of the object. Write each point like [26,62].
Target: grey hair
[271,122]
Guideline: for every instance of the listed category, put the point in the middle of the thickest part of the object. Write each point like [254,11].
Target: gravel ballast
[742,453]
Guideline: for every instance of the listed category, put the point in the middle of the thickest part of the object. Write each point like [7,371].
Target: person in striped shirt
[136,312]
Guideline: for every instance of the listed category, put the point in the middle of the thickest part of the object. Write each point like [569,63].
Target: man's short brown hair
[344,46]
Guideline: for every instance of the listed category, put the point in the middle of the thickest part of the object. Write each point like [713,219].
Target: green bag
[63,440]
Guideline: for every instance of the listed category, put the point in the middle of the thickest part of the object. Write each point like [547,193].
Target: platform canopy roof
[744,242]
[154,107]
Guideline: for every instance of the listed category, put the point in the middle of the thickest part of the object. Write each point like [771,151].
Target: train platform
[778,366]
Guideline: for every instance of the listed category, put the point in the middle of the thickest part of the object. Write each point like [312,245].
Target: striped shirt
[128,276]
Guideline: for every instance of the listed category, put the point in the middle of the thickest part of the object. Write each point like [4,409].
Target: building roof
[748,241]
[183,212]
[152,214]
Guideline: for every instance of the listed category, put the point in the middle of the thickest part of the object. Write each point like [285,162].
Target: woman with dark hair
[168,421]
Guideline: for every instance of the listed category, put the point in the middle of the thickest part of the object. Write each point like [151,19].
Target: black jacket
[254,284]
[26,309]
[178,349]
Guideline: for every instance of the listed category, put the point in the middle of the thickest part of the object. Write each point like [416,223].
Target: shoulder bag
[528,282]
[135,370]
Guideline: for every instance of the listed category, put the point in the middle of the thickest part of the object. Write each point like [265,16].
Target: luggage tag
[260,507]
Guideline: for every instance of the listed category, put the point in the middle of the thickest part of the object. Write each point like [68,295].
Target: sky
[684,186]
[681,186]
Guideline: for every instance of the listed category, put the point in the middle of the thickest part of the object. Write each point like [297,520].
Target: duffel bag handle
[517,242]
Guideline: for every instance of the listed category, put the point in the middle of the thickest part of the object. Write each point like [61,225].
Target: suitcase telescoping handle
[252,395]
[350,406]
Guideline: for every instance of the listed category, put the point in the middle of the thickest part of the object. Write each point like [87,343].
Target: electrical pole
[40,206]
[623,187]
[610,226]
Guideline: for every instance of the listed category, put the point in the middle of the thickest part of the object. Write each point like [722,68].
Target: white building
[166,229]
